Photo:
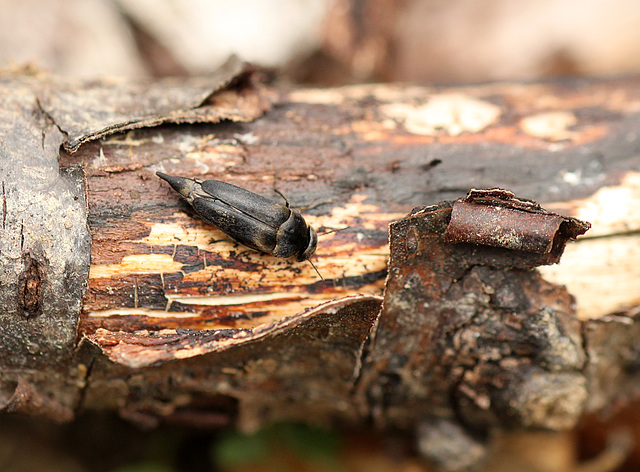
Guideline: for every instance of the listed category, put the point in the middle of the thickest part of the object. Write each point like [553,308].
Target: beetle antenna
[334,231]
[316,269]
[275,188]
[282,195]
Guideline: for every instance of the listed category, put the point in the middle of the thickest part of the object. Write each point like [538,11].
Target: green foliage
[282,446]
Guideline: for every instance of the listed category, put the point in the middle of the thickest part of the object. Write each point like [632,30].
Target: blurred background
[308,42]
[327,42]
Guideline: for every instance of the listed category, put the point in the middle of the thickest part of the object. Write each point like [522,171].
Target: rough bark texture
[178,323]
[468,335]
[44,248]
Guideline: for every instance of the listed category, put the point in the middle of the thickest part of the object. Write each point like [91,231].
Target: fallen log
[116,296]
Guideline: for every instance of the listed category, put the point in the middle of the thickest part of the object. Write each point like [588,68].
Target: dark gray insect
[248,218]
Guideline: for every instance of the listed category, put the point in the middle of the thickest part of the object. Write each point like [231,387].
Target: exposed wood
[603,270]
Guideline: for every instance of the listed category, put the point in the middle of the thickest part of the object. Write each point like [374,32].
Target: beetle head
[311,247]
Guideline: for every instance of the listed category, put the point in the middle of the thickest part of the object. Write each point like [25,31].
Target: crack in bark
[82,394]
[21,235]
[32,285]
[4,207]
[49,118]
[362,354]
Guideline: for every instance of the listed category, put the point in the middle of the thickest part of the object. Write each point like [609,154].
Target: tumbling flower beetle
[249,218]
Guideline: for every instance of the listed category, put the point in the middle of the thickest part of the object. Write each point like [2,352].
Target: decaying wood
[436,323]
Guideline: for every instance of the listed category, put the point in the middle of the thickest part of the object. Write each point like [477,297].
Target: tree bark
[468,337]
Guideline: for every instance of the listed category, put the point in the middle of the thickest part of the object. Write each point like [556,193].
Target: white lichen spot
[452,113]
[247,138]
[572,178]
[553,125]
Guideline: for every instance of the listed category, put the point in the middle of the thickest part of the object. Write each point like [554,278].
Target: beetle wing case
[241,227]
[251,204]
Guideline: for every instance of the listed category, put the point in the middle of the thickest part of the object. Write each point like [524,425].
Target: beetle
[248,218]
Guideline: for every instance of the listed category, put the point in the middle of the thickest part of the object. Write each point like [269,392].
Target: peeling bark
[497,218]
